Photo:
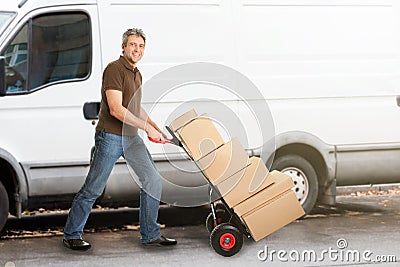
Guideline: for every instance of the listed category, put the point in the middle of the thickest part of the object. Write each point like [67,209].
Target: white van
[329,69]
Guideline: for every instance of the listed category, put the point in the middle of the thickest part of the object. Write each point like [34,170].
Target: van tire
[304,176]
[4,206]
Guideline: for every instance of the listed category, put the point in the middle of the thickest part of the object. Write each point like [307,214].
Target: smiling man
[121,87]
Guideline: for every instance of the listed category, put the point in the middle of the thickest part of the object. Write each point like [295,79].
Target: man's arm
[144,116]
[114,100]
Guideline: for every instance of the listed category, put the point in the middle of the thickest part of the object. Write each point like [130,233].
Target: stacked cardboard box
[270,209]
[197,133]
[263,200]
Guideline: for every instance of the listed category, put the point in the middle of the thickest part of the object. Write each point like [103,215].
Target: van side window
[58,49]
[16,58]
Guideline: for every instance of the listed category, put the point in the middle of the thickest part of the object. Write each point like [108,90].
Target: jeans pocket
[98,137]
[99,134]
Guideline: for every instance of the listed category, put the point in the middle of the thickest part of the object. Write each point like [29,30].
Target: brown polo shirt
[119,75]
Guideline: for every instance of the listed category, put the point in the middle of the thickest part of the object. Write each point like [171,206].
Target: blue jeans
[108,149]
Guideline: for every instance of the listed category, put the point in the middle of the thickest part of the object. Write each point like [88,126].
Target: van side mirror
[3,90]
[91,110]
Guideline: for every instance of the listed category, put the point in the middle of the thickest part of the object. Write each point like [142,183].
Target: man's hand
[154,133]
[151,124]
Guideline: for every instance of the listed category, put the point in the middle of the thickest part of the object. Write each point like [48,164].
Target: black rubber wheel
[4,206]
[226,239]
[222,217]
[304,177]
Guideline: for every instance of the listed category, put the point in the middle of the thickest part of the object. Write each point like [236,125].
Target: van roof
[17,5]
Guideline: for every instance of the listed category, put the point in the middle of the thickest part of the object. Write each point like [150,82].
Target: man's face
[134,49]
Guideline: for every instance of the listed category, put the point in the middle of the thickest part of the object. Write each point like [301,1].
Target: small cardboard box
[273,215]
[200,136]
[239,187]
[182,120]
[282,183]
[224,161]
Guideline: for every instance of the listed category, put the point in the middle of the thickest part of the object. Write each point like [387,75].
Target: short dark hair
[134,31]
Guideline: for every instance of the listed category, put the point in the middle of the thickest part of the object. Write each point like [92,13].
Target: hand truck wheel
[222,217]
[226,239]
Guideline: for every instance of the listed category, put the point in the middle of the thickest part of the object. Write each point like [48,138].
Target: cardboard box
[243,185]
[282,183]
[273,215]
[224,161]
[200,136]
[182,120]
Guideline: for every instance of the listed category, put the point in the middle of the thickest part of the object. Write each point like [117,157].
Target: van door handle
[398,100]
[91,110]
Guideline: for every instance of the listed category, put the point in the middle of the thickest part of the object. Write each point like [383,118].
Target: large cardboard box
[282,183]
[179,122]
[200,136]
[273,215]
[224,162]
[243,185]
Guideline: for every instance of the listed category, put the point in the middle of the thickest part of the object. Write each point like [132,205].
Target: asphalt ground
[368,223]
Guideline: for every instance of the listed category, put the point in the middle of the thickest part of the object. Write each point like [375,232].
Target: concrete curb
[346,190]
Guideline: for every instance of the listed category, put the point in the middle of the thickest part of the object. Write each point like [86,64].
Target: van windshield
[5,19]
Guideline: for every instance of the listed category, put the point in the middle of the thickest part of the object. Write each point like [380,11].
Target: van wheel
[3,206]
[304,177]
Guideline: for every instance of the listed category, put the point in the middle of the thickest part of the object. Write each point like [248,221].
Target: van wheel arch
[4,206]
[13,179]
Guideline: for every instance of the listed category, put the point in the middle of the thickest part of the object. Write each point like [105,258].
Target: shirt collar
[126,64]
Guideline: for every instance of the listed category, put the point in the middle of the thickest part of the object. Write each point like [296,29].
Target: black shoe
[76,244]
[162,242]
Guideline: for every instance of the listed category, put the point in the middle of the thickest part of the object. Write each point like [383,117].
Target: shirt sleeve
[112,78]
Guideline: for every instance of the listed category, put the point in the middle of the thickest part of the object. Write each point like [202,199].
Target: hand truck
[224,225]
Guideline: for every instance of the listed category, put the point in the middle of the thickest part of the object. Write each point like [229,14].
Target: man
[116,136]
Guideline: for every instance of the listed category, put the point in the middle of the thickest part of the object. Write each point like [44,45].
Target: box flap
[282,183]
[224,161]
[241,186]
[200,136]
[182,120]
